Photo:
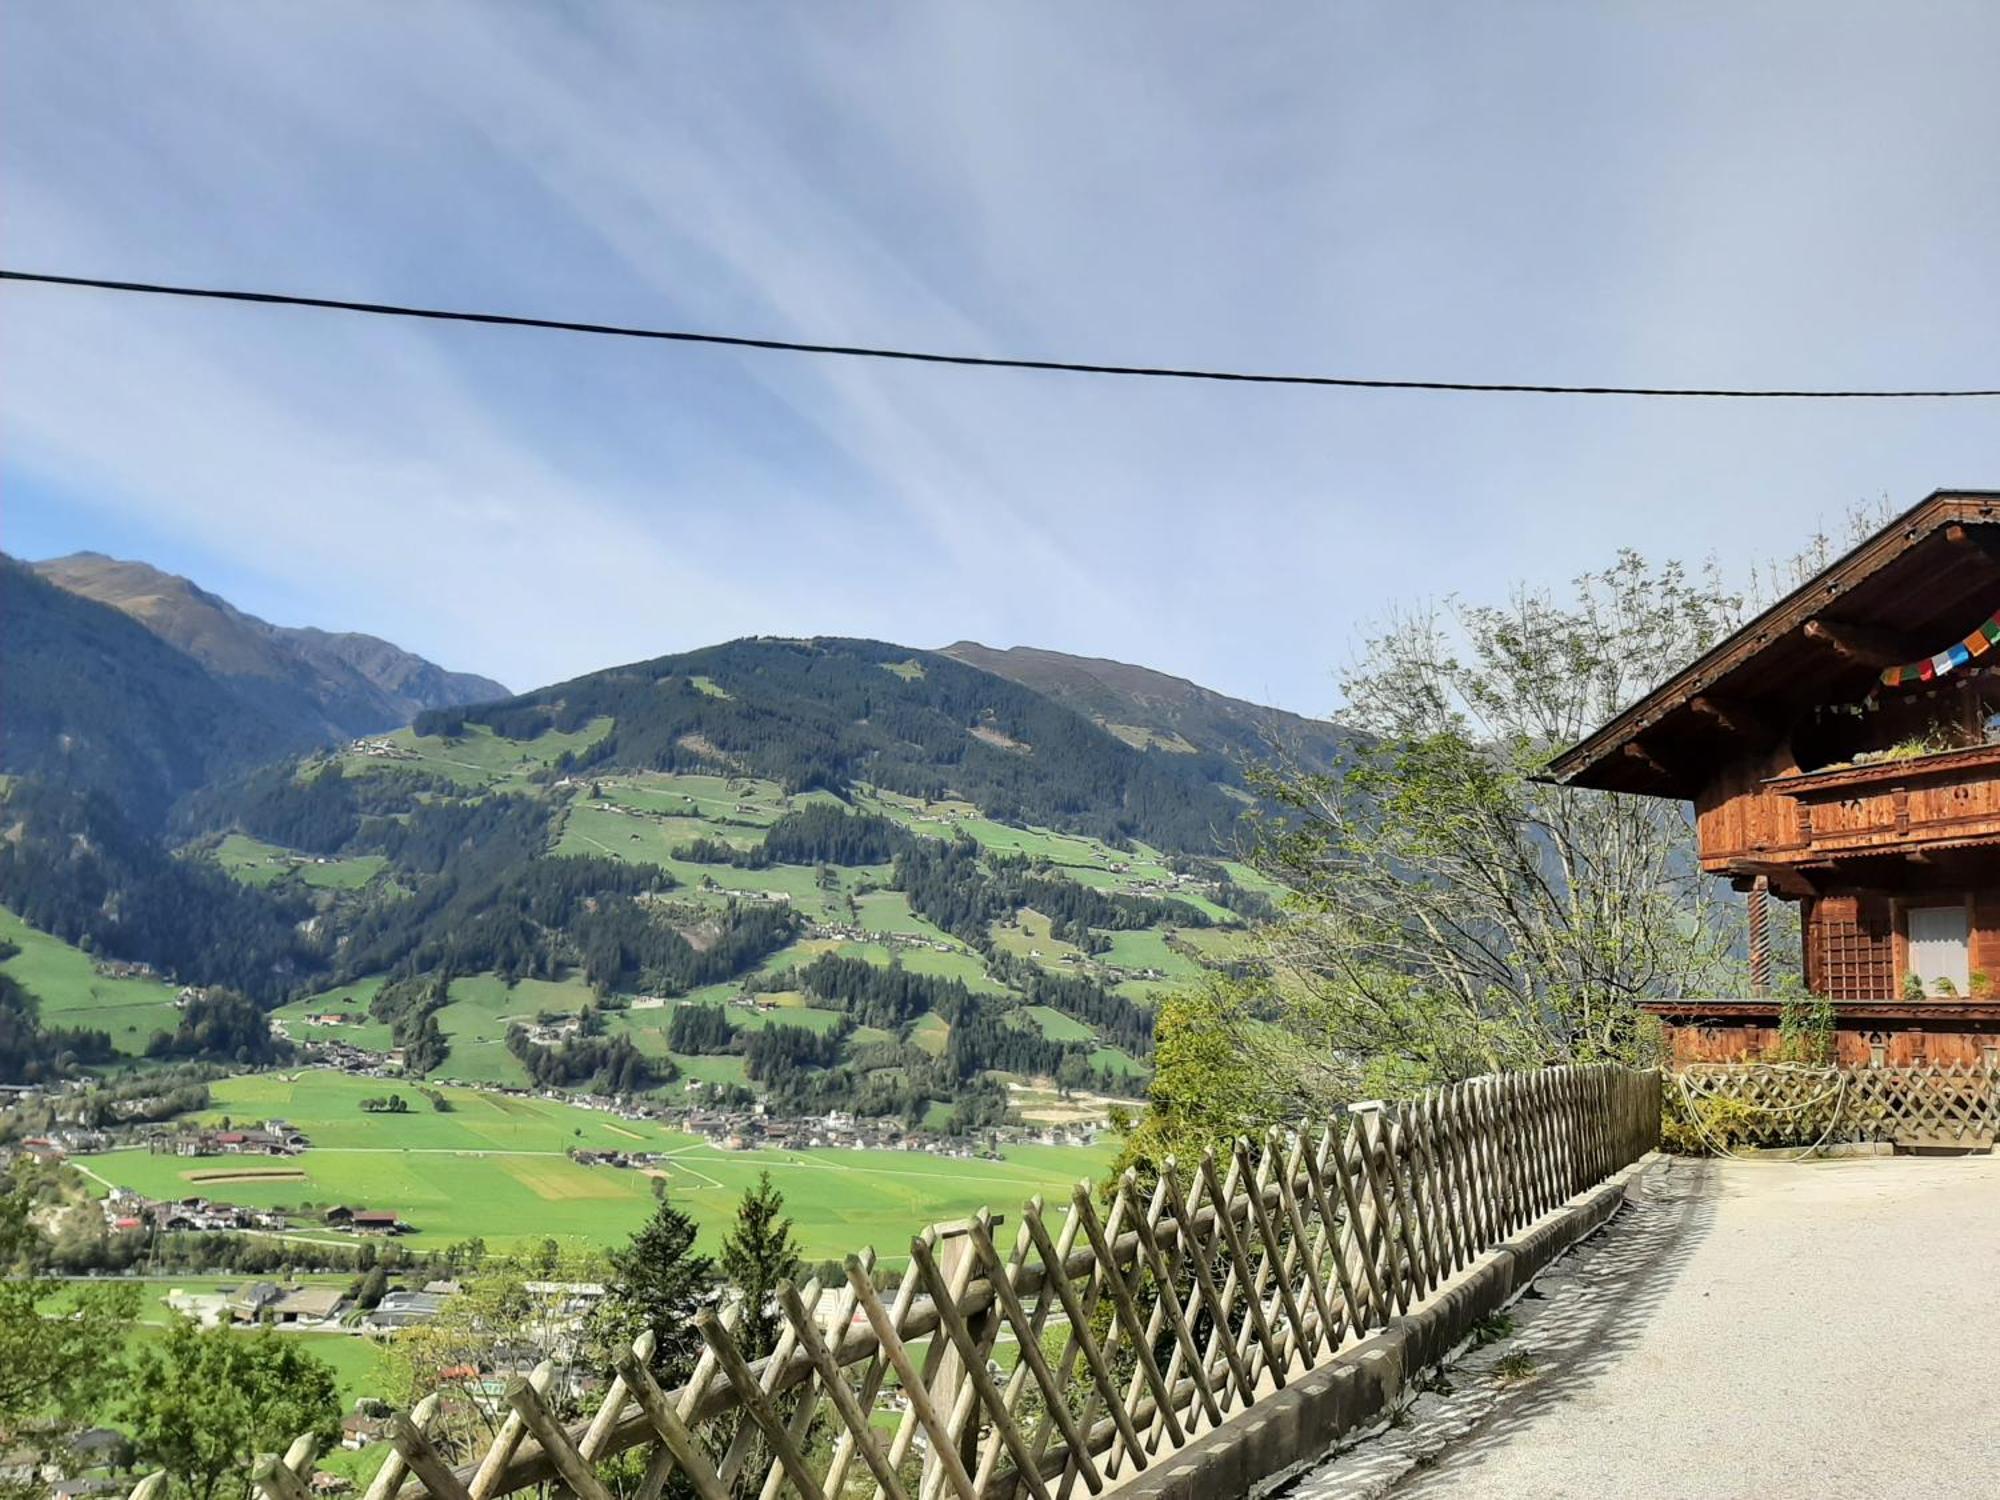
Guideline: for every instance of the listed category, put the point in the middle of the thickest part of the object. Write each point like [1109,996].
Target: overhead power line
[979,361]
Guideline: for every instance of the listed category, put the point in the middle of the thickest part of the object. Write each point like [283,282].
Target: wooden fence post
[956,1261]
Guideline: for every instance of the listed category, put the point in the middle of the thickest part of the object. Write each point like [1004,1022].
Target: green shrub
[1707,1125]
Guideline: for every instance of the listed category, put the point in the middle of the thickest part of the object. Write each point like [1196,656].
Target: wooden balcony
[1923,802]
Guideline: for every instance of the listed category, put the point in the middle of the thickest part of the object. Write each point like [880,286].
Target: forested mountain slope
[91,698]
[1154,710]
[829,712]
[327,685]
[827,874]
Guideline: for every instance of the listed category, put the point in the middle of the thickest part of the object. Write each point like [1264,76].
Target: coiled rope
[1836,1090]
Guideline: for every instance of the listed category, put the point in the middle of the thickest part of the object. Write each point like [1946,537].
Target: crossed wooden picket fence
[1942,1105]
[1143,1318]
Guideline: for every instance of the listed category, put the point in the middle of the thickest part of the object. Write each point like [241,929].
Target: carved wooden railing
[1947,1105]
[1140,1324]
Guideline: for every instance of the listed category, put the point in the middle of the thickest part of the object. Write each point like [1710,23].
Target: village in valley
[999,752]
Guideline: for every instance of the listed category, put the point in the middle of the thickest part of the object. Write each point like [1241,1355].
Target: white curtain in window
[1938,945]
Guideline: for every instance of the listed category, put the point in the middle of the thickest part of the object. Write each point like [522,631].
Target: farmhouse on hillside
[1842,750]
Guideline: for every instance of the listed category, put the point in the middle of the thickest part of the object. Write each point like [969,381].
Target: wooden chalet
[1842,750]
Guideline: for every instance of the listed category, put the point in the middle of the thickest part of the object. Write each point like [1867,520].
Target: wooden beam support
[1732,718]
[1787,882]
[1634,751]
[1864,645]
[1979,541]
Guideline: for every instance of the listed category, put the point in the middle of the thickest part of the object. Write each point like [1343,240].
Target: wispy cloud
[1701,193]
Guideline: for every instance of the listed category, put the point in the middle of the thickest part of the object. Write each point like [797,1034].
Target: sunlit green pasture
[255,862]
[494,1167]
[73,993]
[1056,1026]
[477,758]
[348,1000]
[1147,948]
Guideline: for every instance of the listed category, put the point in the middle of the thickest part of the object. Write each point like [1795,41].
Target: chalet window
[1939,946]
[1850,948]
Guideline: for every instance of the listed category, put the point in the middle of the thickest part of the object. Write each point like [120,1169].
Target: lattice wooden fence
[1140,1323]
[1790,1104]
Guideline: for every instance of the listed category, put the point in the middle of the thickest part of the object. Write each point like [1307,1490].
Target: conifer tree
[759,1253]
[658,1283]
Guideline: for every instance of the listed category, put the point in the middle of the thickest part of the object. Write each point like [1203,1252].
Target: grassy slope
[348,999]
[255,862]
[482,1007]
[72,993]
[478,759]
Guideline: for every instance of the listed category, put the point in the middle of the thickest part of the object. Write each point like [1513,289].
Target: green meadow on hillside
[349,1000]
[255,862]
[477,759]
[73,993]
[1147,948]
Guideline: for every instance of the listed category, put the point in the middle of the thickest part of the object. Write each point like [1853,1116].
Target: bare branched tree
[1449,914]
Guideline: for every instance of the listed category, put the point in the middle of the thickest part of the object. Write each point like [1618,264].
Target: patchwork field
[495,1168]
[606,828]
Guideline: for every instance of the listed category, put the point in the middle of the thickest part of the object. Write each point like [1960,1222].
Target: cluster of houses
[380,749]
[58,1144]
[272,1138]
[120,968]
[26,1469]
[323,1307]
[554,1033]
[754,1129]
[358,1062]
[854,932]
[126,1211]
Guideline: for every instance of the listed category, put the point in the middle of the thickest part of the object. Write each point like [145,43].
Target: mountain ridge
[90,698]
[344,683]
[1154,710]
[828,711]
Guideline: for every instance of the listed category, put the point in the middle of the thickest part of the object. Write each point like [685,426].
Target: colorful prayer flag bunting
[1948,660]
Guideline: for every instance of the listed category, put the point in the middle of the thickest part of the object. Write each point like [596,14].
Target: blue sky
[1727,193]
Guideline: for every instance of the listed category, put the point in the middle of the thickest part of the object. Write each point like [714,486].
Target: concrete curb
[1292,1429]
